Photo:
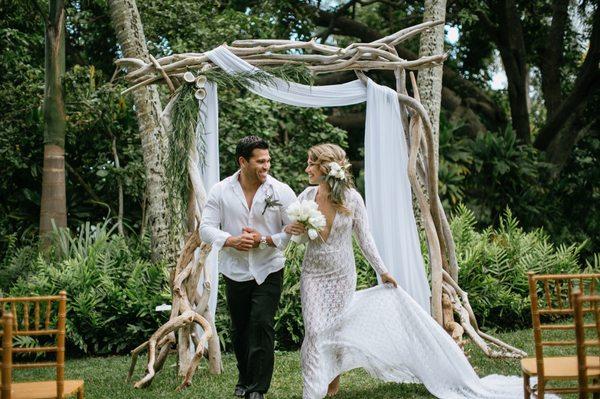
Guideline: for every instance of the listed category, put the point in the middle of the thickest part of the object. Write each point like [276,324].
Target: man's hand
[243,242]
[255,236]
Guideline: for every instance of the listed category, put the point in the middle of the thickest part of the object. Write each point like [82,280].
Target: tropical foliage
[494,265]
[113,288]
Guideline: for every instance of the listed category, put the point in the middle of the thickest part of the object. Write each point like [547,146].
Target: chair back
[585,346]
[6,365]
[37,317]
[551,298]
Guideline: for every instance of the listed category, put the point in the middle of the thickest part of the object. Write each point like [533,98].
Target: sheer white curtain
[388,192]
[207,133]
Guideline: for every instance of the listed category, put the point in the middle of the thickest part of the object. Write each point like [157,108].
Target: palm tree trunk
[430,79]
[53,206]
[166,243]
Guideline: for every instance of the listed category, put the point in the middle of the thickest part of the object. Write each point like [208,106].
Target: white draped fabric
[388,192]
[207,133]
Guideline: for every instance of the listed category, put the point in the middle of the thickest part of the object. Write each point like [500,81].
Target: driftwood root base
[185,315]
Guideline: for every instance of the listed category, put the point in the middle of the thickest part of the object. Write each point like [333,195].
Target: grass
[105,377]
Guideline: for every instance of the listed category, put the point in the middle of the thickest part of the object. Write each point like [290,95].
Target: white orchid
[337,171]
[307,213]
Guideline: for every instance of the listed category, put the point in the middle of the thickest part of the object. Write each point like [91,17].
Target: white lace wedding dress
[380,329]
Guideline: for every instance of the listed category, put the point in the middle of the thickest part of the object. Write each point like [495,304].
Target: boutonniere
[270,202]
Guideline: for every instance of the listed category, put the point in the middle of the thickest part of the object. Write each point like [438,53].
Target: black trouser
[252,309]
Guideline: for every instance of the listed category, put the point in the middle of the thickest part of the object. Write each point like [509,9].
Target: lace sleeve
[360,226]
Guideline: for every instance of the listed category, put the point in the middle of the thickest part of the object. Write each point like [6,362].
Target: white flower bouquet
[307,213]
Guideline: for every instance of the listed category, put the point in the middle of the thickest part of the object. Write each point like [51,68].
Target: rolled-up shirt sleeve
[210,227]
[282,238]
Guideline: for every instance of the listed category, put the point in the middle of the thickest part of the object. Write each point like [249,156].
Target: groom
[244,218]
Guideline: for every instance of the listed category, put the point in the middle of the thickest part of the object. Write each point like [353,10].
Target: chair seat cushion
[564,367]
[43,389]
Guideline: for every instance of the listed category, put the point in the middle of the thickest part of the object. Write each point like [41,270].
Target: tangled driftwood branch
[322,58]
[446,292]
[189,310]
[448,299]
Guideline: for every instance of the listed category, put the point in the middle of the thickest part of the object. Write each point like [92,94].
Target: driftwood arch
[448,299]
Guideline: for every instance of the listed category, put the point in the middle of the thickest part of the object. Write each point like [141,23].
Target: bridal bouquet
[307,213]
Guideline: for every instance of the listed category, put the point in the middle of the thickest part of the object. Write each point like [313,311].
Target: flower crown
[338,171]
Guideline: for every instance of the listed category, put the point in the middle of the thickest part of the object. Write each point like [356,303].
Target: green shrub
[574,198]
[494,265]
[112,288]
[493,170]
[16,263]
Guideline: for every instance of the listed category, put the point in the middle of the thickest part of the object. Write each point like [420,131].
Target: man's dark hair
[247,144]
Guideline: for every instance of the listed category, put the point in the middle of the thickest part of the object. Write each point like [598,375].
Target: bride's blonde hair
[323,155]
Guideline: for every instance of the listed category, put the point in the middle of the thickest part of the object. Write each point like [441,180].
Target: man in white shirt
[244,218]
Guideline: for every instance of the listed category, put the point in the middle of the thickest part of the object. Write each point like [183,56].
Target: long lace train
[384,331]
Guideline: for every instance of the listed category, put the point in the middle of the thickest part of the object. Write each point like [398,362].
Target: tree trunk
[511,44]
[430,79]
[586,84]
[119,184]
[130,34]
[552,57]
[54,200]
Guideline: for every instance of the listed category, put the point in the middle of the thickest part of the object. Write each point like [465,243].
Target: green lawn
[105,377]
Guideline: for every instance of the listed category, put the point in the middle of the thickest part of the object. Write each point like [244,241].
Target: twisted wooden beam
[318,58]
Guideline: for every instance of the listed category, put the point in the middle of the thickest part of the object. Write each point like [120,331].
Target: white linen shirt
[226,213]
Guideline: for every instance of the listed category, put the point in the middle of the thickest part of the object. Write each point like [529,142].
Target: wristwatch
[263,243]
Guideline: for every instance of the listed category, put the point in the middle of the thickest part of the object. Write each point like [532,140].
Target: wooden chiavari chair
[588,363]
[551,300]
[49,319]
[6,365]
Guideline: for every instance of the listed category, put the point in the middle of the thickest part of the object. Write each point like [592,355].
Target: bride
[381,329]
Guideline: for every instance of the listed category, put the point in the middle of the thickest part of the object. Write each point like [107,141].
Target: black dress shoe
[255,395]
[240,391]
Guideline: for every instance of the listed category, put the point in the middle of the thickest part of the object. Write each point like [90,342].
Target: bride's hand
[295,229]
[387,278]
